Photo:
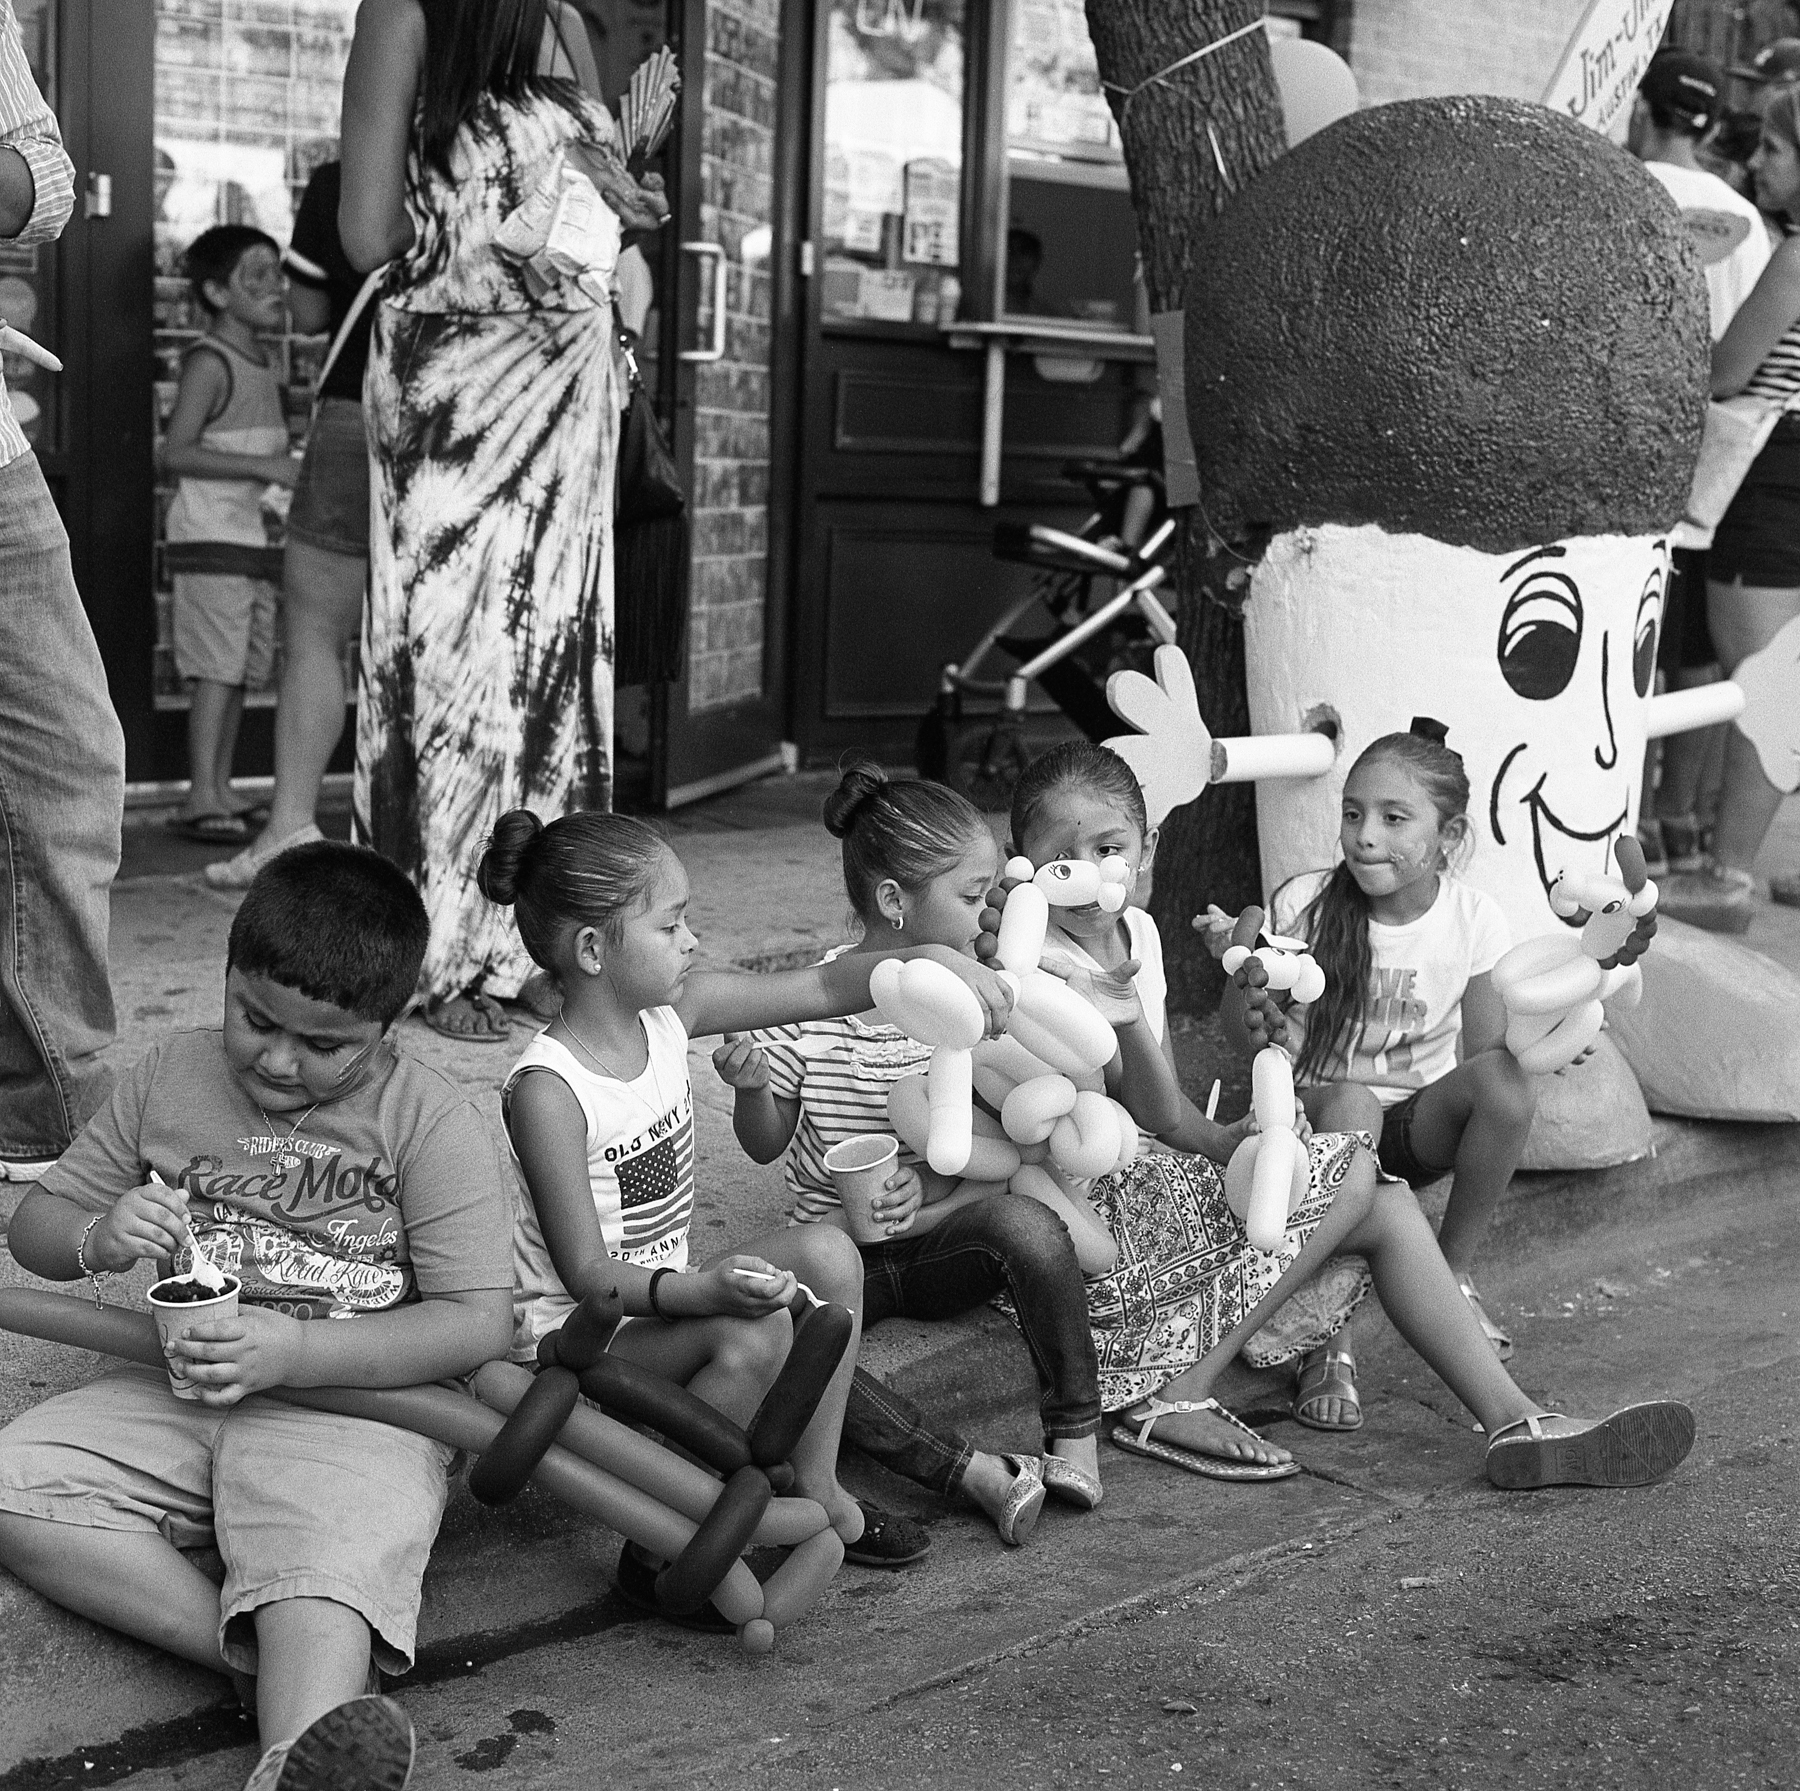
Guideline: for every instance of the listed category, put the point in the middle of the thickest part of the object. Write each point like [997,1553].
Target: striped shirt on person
[840,1071]
[28,126]
[1777,380]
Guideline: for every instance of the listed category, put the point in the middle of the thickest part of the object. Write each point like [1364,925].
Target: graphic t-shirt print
[1393,1016]
[307,1228]
[655,1173]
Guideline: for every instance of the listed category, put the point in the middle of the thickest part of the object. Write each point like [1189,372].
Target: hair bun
[497,876]
[862,779]
[1427,727]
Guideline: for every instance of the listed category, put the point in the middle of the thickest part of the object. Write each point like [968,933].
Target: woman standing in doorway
[492,413]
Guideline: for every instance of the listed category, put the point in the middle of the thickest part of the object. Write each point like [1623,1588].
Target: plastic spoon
[205,1271]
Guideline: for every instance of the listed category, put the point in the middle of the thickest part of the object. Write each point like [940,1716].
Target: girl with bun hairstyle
[918,863]
[599,1112]
[1408,1041]
[1190,1292]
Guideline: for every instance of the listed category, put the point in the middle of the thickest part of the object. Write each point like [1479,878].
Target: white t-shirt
[840,1071]
[640,1143]
[1412,1021]
[1146,946]
[1729,279]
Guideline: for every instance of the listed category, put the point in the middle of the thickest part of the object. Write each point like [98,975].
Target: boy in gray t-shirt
[338,1180]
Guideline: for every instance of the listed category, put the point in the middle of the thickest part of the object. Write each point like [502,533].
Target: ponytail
[1336,927]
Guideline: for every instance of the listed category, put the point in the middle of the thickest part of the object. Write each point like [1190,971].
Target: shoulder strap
[358,305]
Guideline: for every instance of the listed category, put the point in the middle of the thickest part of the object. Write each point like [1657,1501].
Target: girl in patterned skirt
[492,412]
[1190,1289]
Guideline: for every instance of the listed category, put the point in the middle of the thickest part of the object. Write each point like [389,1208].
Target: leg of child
[312,1655]
[1477,1118]
[133,1581]
[214,710]
[1417,1289]
[831,1265]
[728,1362]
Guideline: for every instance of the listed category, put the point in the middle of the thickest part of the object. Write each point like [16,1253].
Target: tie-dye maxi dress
[488,642]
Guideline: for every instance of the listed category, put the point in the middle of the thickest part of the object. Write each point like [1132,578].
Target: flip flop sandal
[1073,1485]
[1326,1374]
[210,830]
[495,1032]
[1503,1344]
[1133,1436]
[1024,1504]
[1637,1444]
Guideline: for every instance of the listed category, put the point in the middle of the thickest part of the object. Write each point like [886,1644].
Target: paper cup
[174,1316]
[859,1168]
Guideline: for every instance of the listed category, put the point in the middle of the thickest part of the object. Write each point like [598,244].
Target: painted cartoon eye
[1540,637]
[1643,648]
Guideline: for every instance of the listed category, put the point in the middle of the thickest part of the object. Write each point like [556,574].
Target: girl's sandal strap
[1327,1374]
[1163,1408]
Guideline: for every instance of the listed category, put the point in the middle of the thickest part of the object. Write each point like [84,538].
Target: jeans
[1008,1244]
[62,798]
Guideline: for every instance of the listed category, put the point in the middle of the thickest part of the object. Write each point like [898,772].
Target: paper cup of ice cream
[859,1168]
[177,1303]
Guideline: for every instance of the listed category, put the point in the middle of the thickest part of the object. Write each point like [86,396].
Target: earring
[899,923]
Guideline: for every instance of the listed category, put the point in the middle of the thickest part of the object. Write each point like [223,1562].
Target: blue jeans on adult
[62,797]
[1005,1244]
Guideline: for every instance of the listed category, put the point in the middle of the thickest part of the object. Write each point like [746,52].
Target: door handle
[98,201]
[716,350]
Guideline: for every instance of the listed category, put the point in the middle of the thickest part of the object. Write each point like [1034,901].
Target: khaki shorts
[299,1504]
[223,628]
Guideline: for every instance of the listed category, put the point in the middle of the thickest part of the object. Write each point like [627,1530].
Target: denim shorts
[300,1504]
[331,500]
[222,627]
[1395,1153]
[1758,538]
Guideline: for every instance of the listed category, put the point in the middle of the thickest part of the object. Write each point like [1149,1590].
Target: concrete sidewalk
[767,892]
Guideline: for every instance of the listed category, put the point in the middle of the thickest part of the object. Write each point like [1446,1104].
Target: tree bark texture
[1182,174]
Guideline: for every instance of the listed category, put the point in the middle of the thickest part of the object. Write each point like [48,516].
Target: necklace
[286,1158]
[649,1061]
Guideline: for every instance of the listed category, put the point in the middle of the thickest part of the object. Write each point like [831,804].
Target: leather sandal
[1133,1436]
[1024,1504]
[1324,1374]
[1503,1344]
[1073,1485]
[1637,1444]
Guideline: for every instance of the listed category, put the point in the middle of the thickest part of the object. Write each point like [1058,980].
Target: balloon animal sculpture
[1267,1176]
[524,1428]
[1055,1121]
[1554,987]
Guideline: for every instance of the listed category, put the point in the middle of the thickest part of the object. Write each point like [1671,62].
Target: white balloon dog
[1554,986]
[1044,1077]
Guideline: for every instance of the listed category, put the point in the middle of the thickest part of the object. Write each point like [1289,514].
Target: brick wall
[1405,49]
[731,471]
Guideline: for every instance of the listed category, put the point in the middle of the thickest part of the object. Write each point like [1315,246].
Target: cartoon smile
[1544,817]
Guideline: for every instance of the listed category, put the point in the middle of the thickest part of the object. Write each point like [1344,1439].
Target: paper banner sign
[1606,58]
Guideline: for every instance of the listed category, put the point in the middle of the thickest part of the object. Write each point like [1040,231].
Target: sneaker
[888,1540]
[1650,842]
[239,872]
[364,1744]
[25,1169]
[1716,899]
[1682,844]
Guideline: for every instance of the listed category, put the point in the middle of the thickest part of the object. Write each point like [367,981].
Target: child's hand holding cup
[866,1174]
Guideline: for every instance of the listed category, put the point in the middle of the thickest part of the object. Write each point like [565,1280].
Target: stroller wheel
[984,760]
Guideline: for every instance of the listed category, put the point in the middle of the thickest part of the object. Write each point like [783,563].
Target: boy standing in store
[227,442]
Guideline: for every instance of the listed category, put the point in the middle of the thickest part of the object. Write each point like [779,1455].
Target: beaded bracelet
[655,1276]
[96,1277]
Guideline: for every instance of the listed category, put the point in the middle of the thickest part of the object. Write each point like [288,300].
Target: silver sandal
[1133,1436]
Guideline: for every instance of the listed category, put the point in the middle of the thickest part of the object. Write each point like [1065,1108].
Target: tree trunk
[1180,177]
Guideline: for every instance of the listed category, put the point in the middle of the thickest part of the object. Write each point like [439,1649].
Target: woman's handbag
[650,546]
[1737,429]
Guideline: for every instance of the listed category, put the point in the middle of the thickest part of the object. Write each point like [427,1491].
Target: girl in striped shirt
[600,1116]
[918,862]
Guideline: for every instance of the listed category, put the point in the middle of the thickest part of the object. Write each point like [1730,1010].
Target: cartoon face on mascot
[1452,355]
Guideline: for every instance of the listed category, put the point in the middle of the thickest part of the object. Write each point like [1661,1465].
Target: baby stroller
[1098,587]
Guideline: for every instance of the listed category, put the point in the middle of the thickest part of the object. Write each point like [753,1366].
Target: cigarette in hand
[17,342]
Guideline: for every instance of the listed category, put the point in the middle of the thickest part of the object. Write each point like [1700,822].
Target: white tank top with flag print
[640,1145]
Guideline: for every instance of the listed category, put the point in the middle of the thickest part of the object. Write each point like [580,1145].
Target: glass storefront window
[247,94]
[28,271]
[1070,242]
[893,160]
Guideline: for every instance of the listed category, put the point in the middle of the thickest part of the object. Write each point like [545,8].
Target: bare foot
[1207,1433]
[475,1017]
